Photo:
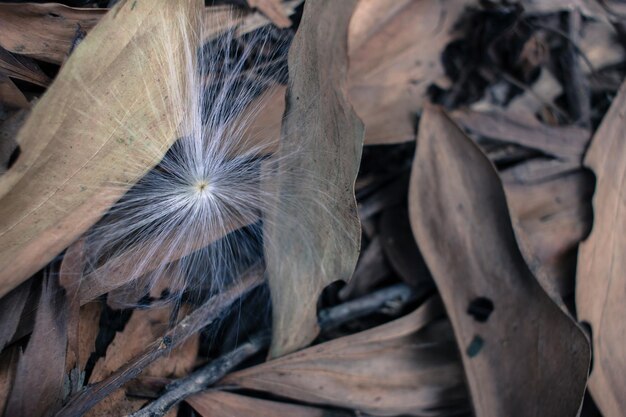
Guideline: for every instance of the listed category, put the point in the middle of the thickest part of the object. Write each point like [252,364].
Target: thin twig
[202,378]
[393,296]
[195,321]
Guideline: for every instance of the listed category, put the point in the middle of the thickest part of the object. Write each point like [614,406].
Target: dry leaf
[273,9]
[12,306]
[566,142]
[45,31]
[225,404]
[8,366]
[10,96]
[190,325]
[144,327]
[517,345]
[409,366]
[313,233]
[394,50]
[22,68]
[54,192]
[395,55]
[551,218]
[601,276]
[38,385]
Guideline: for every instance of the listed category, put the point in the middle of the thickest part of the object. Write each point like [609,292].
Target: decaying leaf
[8,366]
[10,96]
[565,142]
[550,219]
[38,385]
[523,356]
[395,55]
[60,184]
[225,404]
[313,231]
[144,327]
[12,307]
[273,9]
[601,275]
[45,31]
[409,366]
[22,68]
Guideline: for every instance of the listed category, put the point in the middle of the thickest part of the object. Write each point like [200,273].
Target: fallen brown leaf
[45,31]
[409,366]
[313,232]
[22,68]
[517,345]
[273,9]
[225,404]
[601,275]
[38,386]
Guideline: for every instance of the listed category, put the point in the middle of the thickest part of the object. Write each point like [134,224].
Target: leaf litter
[443,239]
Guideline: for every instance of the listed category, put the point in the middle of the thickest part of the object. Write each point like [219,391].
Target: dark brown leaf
[45,31]
[522,355]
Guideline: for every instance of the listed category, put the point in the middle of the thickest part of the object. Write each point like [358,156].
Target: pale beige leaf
[523,356]
[312,233]
[107,119]
[601,275]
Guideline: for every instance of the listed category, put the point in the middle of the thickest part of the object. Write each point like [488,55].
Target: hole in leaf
[14,155]
[480,308]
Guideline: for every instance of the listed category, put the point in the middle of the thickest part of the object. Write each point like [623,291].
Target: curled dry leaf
[601,275]
[12,307]
[274,10]
[313,233]
[22,68]
[409,366]
[395,55]
[58,186]
[517,345]
[45,31]
[38,386]
[10,96]
[225,404]
[565,142]
[550,219]
[144,327]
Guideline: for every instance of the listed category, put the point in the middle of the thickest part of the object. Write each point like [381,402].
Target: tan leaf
[601,275]
[45,31]
[395,55]
[550,219]
[517,345]
[409,366]
[273,9]
[395,51]
[88,125]
[225,404]
[565,142]
[313,231]
[38,385]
